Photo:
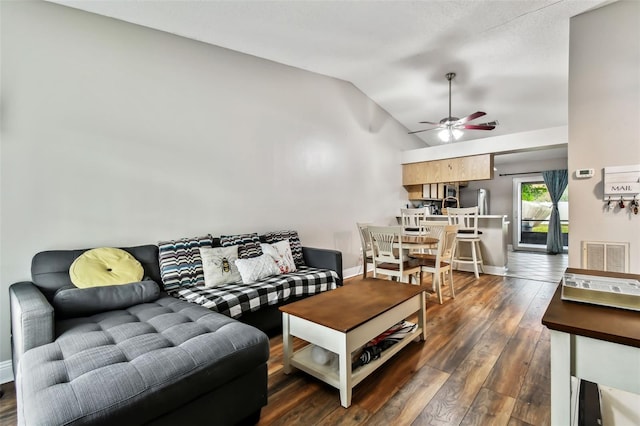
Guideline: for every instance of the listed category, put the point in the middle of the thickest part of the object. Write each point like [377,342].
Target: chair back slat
[365,238]
[383,242]
[389,258]
[441,263]
[432,228]
[449,242]
[365,243]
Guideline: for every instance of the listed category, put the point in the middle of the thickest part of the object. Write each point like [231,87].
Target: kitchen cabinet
[476,167]
[432,191]
[428,191]
[414,192]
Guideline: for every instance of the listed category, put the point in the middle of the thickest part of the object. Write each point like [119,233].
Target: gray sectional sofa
[143,359]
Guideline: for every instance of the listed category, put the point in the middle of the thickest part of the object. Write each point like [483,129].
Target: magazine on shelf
[375,347]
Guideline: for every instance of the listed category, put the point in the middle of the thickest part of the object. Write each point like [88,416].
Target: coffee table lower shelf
[344,342]
[302,360]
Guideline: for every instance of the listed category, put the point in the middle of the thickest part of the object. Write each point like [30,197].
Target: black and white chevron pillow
[248,244]
[180,261]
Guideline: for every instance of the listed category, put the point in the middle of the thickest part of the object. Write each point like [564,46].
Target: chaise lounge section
[136,356]
[163,361]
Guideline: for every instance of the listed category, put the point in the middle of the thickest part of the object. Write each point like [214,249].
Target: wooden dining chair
[467,221]
[411,218]
[440,263]
[367,250]
[429,228]
[389,256]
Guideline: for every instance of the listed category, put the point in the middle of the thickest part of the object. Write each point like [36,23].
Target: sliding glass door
[532,210]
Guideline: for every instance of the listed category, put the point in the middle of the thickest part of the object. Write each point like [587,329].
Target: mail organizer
[622,183]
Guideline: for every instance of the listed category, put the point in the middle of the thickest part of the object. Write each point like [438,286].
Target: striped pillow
[180,261]
[248,244]
[294,242]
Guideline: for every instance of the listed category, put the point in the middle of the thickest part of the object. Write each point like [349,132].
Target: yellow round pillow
[105,266]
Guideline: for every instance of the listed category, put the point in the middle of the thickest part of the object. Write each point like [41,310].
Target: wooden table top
[599,322]
[351,305]
[418,239]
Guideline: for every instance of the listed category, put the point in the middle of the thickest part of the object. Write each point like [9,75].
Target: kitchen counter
[493,242]
[480,216]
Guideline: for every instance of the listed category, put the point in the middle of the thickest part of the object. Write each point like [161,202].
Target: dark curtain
[556,181]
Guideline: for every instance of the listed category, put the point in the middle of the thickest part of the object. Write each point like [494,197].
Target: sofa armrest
[32,319]
[323,258]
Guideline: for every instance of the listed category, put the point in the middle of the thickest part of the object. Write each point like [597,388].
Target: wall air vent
[605,256]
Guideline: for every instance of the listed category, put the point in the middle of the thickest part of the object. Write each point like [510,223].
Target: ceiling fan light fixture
[449,135]
[451,128]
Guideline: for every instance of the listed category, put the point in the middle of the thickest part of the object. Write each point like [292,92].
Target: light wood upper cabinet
[414,192]
[476,167]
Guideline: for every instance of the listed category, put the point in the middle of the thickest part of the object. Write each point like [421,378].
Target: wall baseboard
[6,371]
[488,269]
[352,272]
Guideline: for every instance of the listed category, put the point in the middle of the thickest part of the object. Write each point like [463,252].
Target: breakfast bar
[493,242]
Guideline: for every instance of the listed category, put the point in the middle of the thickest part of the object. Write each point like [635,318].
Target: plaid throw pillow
[248,244]
[294,242]
[180,261]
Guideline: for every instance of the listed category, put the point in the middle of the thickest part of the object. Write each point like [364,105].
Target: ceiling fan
[451,127]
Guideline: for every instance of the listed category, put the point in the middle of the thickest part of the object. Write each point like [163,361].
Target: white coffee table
[345,319]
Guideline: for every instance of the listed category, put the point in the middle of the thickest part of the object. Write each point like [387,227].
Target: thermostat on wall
[584,173]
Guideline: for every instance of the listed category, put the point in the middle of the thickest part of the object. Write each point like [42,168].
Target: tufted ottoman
[165,362]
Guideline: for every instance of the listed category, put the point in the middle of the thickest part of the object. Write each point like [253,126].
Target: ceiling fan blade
[476,127]
[429,122]
[419,131]
[470,117]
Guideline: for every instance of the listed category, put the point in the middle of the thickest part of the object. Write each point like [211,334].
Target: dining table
[416,242]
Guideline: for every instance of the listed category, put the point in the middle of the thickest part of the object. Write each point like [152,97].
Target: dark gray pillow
[71,301]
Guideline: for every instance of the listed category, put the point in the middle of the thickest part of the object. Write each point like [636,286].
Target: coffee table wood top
[350,306]
[599,322]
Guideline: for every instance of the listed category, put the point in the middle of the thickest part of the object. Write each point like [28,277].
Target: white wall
[604,108]
[501,187]
[114,134]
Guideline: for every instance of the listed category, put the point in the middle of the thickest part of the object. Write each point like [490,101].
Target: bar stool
[467,221]
[411,219]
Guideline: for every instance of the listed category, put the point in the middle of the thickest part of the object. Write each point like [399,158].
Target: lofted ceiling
[511,57]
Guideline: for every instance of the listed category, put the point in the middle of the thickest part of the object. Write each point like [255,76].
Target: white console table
[595,343]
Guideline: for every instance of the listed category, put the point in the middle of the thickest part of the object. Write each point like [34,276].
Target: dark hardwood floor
[485,362]
[8,405]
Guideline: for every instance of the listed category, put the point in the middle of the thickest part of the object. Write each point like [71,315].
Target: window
[532,210]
